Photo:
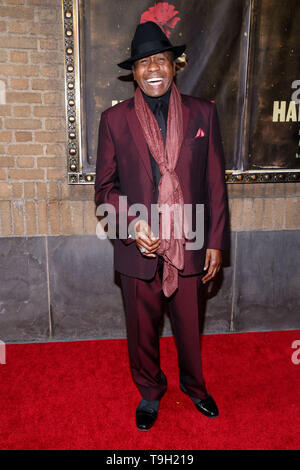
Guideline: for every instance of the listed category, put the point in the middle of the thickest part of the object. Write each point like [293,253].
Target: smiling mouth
[154,81]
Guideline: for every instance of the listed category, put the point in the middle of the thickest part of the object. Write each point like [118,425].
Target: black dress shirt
[160,107]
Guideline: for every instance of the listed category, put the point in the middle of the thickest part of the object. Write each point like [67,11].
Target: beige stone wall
[35,198]
[270,206]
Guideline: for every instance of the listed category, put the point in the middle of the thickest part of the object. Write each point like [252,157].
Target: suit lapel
[185,116]
[139,139]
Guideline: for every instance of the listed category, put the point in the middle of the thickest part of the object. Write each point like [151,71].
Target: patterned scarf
[170,192]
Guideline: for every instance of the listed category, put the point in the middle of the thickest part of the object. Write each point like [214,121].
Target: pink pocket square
[200,133]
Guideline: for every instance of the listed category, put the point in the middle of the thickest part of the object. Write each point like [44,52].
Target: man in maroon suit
[161,149]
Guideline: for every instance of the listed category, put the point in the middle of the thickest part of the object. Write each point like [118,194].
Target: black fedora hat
[149,39]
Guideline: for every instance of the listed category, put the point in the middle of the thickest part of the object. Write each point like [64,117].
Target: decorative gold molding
[70,15]
[262,176]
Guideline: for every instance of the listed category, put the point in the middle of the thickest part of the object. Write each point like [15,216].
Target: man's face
[154,74]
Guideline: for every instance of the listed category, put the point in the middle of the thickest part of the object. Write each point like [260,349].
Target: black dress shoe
[207,407]
[145,418]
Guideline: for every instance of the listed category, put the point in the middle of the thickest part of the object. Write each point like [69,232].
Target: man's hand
[145,238]
[213,262]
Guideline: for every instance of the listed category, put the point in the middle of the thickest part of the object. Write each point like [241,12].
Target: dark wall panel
[258,288]
[267,294]
[23,289]
[85,297]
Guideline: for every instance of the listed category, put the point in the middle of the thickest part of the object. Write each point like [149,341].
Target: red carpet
[79,395]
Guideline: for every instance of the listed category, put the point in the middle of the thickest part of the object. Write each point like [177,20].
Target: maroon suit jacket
[124,168]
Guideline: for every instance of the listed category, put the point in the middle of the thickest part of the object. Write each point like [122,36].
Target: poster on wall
[274,87]
[241,54]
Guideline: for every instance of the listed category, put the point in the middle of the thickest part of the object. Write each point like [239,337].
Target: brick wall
[35,198]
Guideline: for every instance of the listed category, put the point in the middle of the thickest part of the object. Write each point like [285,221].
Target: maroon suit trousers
[144,304]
